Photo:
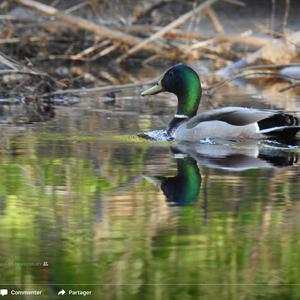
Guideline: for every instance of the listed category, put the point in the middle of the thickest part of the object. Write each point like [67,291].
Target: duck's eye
[171,74]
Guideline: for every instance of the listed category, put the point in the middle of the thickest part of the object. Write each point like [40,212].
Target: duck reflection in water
[184,188]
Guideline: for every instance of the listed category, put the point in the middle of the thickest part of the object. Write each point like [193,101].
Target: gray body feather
[230,122]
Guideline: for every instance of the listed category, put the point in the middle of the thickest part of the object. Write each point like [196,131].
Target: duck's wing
[239,116]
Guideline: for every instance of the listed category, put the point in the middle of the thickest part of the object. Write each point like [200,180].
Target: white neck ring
[181,116]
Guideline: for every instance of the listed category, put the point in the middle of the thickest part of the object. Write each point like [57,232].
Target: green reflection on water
[84,208]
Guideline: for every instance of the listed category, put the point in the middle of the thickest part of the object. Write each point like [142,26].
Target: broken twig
[99,30]
[176,23]
[101,88]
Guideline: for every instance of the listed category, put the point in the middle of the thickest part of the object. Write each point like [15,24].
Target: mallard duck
[226,123]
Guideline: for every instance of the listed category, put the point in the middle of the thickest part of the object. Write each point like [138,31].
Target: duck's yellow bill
[157,88]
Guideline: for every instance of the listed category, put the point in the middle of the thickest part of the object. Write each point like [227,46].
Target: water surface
[85,204]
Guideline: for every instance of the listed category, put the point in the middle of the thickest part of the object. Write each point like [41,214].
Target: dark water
[86,205]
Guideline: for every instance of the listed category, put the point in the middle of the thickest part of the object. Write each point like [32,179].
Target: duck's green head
[184,82]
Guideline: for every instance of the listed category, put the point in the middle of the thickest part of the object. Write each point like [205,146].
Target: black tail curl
[278,120]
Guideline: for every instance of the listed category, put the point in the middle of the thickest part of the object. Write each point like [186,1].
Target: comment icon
[3,292]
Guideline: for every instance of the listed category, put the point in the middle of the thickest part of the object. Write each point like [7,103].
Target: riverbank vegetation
[66,48]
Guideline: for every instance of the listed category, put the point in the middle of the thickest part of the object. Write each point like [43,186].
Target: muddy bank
[46,49]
